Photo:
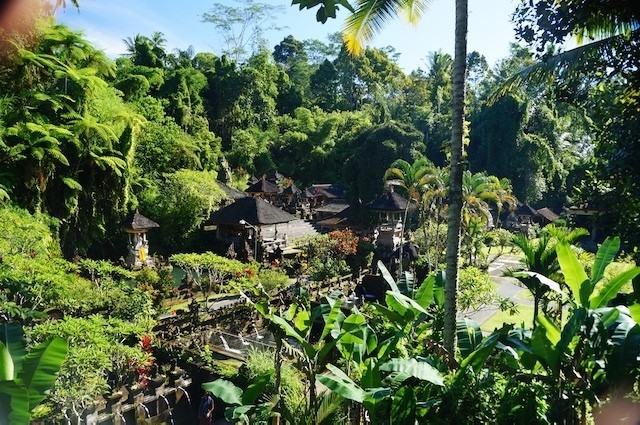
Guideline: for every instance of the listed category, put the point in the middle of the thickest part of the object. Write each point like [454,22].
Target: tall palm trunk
[455,183]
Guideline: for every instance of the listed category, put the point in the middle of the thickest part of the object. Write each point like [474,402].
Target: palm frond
[368,19]
[414,9]
[565,65]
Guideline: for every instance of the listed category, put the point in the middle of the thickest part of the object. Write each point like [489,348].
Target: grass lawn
[525,314]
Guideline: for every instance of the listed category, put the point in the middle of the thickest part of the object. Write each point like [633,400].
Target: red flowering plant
[345,242]
[144,368]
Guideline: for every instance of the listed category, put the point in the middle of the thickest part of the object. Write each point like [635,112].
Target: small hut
[259,223]
[136,225]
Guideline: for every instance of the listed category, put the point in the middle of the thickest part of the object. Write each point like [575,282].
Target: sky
[107,23]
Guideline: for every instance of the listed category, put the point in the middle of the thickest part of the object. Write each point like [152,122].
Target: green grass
[525,314]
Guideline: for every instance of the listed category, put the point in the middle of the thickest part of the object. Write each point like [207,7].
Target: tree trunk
[455,183]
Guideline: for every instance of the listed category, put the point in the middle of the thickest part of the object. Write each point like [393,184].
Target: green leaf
[371,375]
[302,321]
[341,384]
[569,331]
[13,339]
[225,391]
[572,270]
[255,389]
[626,349]
[634,310]
[6,364]
[403,406]
[477,358]
[401,304]
[335,315]
[406,284]
[469,336]
[604,256]
[424,295]
[420,370]
[71,183]
[14,404]
[545,281]
[609,290]
[387,277]
[544,339]
[438,289]
[40,368]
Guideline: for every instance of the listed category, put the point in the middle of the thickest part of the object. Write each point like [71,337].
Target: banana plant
[241,405]
[598,345]
[25,377]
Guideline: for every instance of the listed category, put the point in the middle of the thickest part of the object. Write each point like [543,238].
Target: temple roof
[137,221]
[262,186]
[254,211]
[548,214]
[327,190]
[525,209]
[390,201]
[231,192]
[332,208]
[291,190]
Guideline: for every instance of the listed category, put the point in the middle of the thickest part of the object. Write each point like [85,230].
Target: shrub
[475,290]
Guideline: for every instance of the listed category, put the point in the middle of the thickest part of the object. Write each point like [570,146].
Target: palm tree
[360,26]
[540,256]
[412,178]
[433,203]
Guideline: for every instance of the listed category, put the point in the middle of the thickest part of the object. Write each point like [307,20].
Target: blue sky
[106,23]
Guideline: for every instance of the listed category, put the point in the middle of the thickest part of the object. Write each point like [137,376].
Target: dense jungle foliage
[86,139]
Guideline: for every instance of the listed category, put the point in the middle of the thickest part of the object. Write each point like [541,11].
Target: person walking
[205,411]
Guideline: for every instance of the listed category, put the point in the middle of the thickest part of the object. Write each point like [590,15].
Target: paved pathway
[507,287]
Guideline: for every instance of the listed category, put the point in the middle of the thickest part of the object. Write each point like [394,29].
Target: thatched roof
[339,220]
[231,192]
[332,208]
[274,176]
[326,190]
[263,186]
[548,214]
[390,201]
[136,221]
[254,211]
[525,209]
[291,190]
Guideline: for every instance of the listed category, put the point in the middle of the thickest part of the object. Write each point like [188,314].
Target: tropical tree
[360,27]
[412,178]
[540,260]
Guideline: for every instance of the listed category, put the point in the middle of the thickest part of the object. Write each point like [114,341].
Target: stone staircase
[293,230]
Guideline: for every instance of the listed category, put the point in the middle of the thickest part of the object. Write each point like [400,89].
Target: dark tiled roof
[255,211]
[137,221]
[390,201]
[262,186]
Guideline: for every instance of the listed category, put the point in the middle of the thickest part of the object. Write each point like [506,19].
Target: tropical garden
[86,139]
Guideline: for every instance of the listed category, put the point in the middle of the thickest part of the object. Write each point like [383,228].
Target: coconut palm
[362,23]
[412,178]
[433,204]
